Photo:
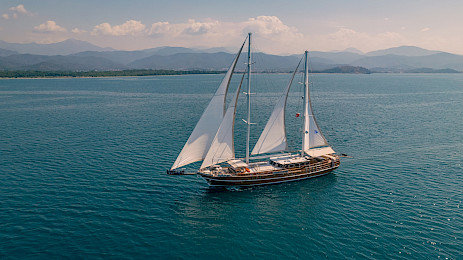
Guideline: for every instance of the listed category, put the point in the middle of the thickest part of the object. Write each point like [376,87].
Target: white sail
[200,139]
[312,136]
[273,138]
[222,148]
[315,136]
[314,152]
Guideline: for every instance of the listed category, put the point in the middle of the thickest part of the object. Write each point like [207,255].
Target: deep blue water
[82,171]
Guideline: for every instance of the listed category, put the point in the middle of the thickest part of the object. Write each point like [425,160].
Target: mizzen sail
[312,137]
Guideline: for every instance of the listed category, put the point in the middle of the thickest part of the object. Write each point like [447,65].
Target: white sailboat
[212,141]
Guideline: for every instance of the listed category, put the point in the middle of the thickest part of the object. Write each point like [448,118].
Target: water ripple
[83,172]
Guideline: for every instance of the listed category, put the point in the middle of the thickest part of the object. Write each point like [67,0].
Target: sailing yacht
[270,162]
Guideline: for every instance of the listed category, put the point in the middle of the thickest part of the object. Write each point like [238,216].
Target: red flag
[297,114]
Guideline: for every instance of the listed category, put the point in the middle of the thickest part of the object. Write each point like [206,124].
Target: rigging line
[262,68]
[262,84]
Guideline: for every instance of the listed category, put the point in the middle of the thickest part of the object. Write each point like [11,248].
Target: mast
[313,142]
[305,130]
[248,99]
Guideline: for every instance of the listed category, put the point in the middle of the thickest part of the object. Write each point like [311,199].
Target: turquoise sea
[83,161]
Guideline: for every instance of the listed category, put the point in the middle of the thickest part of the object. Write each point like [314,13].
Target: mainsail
[273,138]
[222,148]
[201,138]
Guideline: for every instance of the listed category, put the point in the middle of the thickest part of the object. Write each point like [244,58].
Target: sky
[278,27]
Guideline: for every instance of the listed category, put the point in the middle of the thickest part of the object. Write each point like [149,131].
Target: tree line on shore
[81,74]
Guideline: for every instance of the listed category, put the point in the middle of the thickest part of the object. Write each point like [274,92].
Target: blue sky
[279,27]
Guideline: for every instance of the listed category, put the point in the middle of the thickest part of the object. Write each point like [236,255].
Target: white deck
[262,167]
[289,159]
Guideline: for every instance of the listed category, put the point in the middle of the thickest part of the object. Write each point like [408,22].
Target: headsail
[222,148]
[273,138]
[201,138]
[312,136]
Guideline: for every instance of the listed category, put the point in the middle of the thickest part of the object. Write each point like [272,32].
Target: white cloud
[191,28]
[104,28]
[19,9]
[77,30]
[208,33]
[15,11]
[425,29]
[49,27]
[271,35]
[130,27]
[269,25]
[196,28]
[276,37]
[162,28]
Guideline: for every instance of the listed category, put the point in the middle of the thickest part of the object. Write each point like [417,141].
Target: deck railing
[312,168]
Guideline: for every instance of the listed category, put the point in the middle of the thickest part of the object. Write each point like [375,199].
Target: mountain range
[75,55]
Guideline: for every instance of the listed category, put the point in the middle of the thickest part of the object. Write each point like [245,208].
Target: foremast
[248,94]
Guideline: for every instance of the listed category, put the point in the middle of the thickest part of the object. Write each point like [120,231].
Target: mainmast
[305,130]
[248,94]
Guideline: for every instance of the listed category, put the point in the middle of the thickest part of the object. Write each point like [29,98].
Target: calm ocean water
[82,171]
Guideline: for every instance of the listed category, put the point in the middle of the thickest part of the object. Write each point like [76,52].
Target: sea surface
[83,171]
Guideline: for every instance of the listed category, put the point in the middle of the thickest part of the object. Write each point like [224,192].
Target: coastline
[148,73]
[98,74]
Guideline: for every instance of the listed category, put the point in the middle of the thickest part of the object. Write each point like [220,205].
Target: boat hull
[265,178]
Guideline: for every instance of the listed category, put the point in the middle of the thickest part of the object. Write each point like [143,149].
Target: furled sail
[201,138]
[273,138]
[313,139]
[222,148]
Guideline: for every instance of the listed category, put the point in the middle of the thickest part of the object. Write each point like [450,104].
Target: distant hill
[221,61]
[74,55]
[428,70]
[122,57]
[347,69]
[183,61]
[4,53]
[336,57]
[58,63]
[435,61]
[66,47]
[167,50]
[402,51]
[353,50]
[127,57]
